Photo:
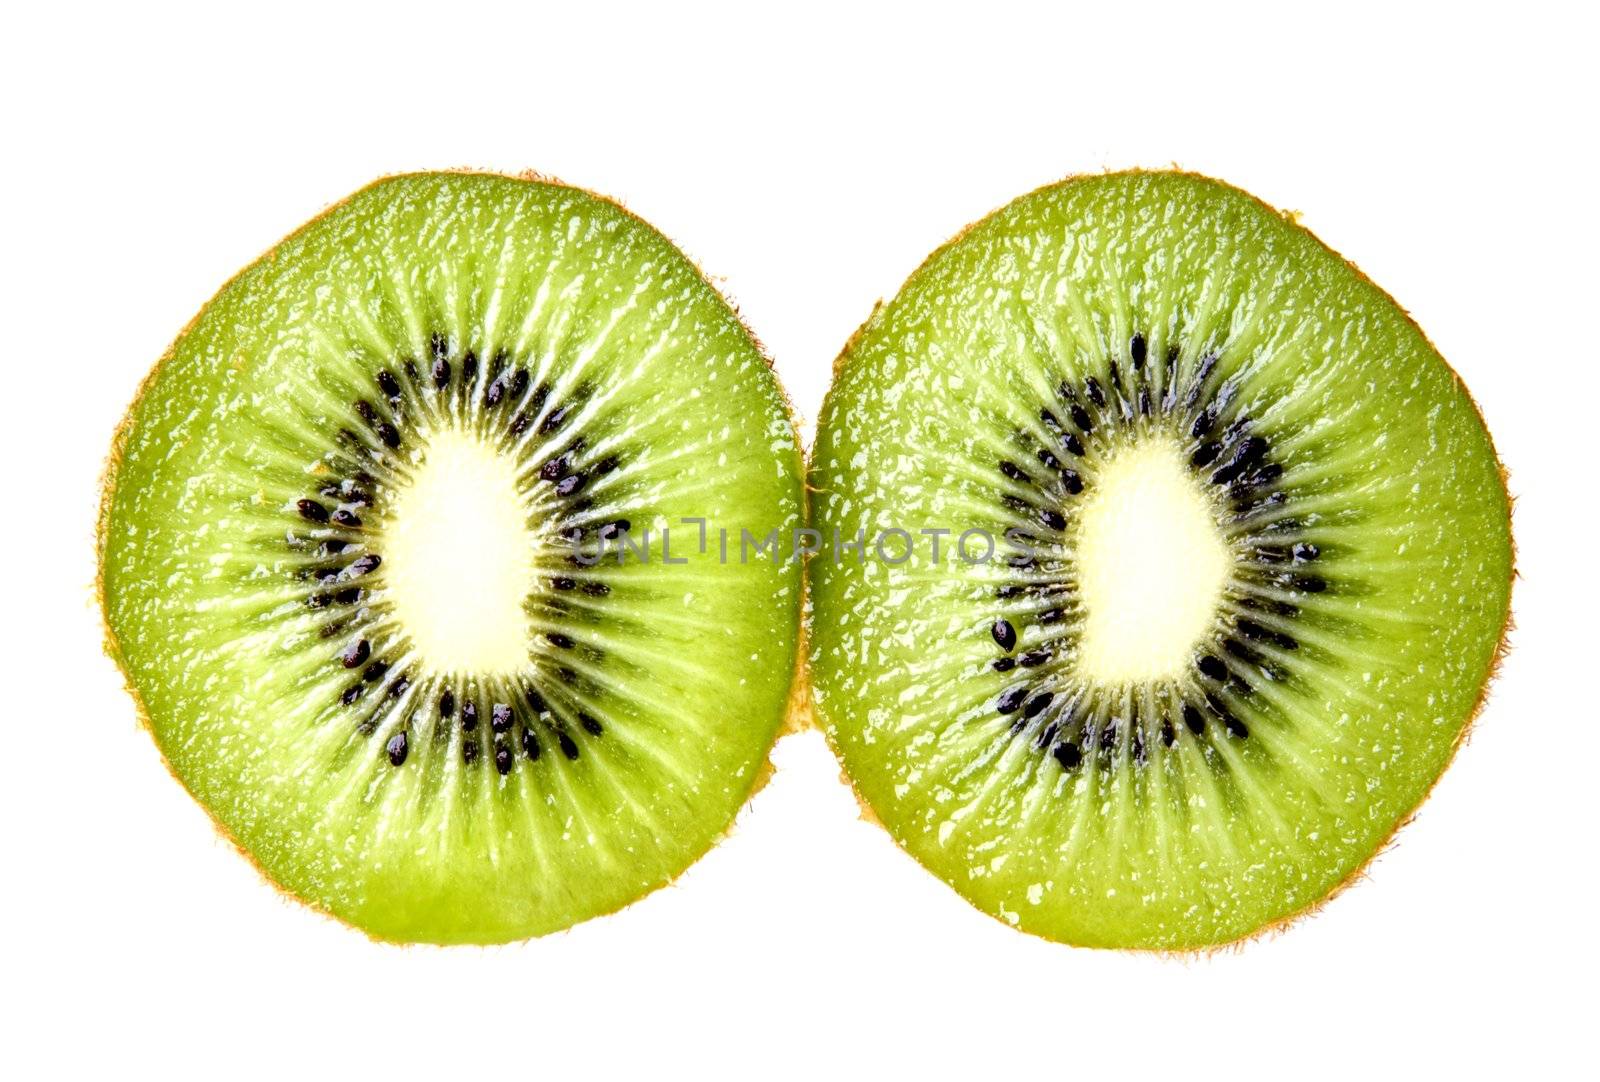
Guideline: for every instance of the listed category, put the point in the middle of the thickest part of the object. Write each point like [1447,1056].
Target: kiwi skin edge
[1502,647]
[797,712]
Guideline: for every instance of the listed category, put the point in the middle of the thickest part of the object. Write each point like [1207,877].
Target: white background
[809,160]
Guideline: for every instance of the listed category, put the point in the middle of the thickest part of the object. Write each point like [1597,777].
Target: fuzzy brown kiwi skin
[1502,647]
[797,707]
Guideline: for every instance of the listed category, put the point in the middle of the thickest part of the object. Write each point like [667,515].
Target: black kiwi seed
[1208,365]
[1034,658]
[388,384]
[1265,475]
[560,641]
[1035,706]
[1250,449]
[1256,633]
[1169,735]
[1212,666]
[569,484]
[1080,416]
[351,694]
[553,420]
[375,672]
[1003,664]
[469,367]
[1233,724]
[469,751]
[500,717]
[1068,755]
[590,723]
[569,747]
[469,716]
[447,703]
[1205,454]
[355,654]
[362,565]
[1241,651]
[1305,551]
[1193,719]
[495,393]
[397,748]
[1136,350]
[530,744]
[1010,700]
[441,373]
[1071,481]
[502,760]
[312,511]
[1004,634]
[1091,387]
[348,519]
[1011,470]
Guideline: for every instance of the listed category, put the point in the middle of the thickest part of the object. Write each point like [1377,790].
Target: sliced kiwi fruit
[354,561]
[1186,563]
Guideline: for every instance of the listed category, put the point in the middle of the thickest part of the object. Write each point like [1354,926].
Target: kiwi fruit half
[354,561]
[1163,564]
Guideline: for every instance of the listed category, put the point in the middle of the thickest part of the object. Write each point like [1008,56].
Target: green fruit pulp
[1387,474]
[640,372]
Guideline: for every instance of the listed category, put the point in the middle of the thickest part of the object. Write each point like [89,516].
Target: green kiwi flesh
[348,551]
[1251,571]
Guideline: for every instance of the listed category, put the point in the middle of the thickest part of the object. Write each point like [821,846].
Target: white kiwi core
[459,559]
[1152,566]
